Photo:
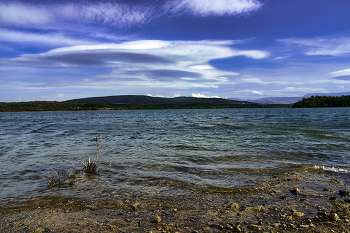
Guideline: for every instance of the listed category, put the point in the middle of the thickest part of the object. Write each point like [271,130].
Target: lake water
[166,152]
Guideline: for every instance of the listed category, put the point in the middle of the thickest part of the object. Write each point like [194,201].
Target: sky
[246,49]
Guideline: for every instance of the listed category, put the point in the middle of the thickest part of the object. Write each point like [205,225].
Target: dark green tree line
[323,101]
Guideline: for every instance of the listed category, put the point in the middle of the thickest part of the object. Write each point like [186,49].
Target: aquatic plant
[89,167]
[54,181]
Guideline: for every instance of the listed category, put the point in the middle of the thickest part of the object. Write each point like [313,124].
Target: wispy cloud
[115,14]
[321,46]
[55,39]
[21,14]
[345,72]
[213,7]
[37,15]
[341,74]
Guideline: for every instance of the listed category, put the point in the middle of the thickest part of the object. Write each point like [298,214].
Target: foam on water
[333,169]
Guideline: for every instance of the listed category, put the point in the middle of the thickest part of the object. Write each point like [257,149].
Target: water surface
[167,152]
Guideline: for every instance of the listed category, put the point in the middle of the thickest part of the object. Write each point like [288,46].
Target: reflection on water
[165,152]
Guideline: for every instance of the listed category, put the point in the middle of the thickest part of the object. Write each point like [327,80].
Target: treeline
[323,101]
[34,106]
[38,106]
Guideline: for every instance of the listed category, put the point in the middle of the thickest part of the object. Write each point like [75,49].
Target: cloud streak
[345,72]
[37,15]
[206,8]
[114,14]
[321,46]
[55,39]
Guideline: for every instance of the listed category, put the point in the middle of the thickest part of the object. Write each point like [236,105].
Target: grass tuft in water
[90,167]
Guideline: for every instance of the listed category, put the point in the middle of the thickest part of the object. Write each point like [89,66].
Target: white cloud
[21,14]
[202,67]
[339,73]
[305,89]
[255,54]
[143,64]
[213,7]
[145,58]
[257,92]
[48,39]
[321,46]
[199,95]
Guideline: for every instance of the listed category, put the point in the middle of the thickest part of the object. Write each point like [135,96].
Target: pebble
[334,217]
[298,214]
[255,208]
[233,206]
[276,224]
[344,193]
[136,206]
[111,227]
[157,219]
[255,227]
[38,230]
[295,191]
[236,228]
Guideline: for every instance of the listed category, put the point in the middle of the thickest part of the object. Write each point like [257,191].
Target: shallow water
[167,152]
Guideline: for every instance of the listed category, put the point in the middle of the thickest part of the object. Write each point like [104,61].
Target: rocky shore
[298,201]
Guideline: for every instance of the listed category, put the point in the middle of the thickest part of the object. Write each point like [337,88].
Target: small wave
[333,169]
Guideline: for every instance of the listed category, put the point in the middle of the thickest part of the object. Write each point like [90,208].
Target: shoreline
[294,201]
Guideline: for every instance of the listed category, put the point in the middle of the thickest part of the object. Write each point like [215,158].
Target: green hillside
[323,101]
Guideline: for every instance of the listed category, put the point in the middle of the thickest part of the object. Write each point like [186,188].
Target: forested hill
[323,101]
[139,101]
[129,102]
[38,106]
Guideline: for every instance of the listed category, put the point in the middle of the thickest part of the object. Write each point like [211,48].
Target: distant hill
[277,100]
[140,101]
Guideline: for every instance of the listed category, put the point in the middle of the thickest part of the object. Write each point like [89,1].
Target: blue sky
[247,49]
